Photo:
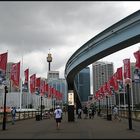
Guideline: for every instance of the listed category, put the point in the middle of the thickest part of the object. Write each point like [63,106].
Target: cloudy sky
[29,30]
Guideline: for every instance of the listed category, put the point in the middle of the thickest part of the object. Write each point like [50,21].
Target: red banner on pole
[15,74]
[137,56]
[126,68]
[119,74]
[42,88]
[37,86]
[116,87]
[26,74]
[3,64]
[3,61]
[32,83]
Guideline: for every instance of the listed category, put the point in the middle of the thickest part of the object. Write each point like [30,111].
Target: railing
[135,114]
[20,115]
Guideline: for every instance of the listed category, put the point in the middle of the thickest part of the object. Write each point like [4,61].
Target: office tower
[102,71]
[82,80]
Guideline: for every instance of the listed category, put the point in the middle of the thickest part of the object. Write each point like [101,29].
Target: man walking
[58,116]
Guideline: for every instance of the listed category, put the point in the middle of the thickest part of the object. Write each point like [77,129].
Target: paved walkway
[97,128]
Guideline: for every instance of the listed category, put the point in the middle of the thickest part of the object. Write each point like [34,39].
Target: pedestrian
[13,113]
[116,113]
[58,116]
[99,112]
[93,112]
[86,112]
[90,113]
[65,110]
[79,113]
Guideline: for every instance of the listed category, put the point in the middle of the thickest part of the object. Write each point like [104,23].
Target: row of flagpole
[16,75]
[126,70]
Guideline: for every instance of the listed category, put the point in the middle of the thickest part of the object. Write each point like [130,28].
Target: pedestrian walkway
[96,128]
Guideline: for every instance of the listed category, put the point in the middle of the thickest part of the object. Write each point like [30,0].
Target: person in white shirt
[116,113]
[58,116]
[79,113]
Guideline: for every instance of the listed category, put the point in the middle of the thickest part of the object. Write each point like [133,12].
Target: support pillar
[71,106]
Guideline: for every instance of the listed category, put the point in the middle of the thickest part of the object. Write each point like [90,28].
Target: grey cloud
[47,23]
[38,26]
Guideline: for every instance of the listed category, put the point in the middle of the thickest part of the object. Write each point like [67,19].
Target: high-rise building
[83,84]
[58,83]
[102,71]
[53,75]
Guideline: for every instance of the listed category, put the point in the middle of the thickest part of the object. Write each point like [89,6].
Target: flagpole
[119,99]
[131,87]
[21,74]
[29,92]
[132,94]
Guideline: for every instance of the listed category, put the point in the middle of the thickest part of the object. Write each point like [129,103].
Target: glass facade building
[82,80]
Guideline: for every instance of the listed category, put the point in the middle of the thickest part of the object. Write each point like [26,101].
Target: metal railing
[135,114]
[20,115]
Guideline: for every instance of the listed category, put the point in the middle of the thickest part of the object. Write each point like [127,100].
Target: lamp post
[107,107]
[127,82]
[4,112]
[41,109]
[99,109]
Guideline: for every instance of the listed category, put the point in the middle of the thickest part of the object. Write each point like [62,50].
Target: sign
[71,98]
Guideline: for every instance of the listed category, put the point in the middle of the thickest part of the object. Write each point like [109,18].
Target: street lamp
[41,109]
[128,82]
[4,112]
[107,106]
[99,109]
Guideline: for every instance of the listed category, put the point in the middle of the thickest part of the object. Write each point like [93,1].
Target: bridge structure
[122,34]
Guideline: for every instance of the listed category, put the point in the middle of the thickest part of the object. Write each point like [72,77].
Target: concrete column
[71,106]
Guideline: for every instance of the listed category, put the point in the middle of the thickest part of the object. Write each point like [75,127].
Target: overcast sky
[31,29]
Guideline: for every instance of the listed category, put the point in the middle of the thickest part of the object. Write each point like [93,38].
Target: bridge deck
[96,128]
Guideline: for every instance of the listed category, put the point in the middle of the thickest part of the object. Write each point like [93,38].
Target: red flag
[115,82]
[3,61]
[97,95]
[111,81]
[126,68]
[15,74]
[38,85]
[46,89]
[54,92]
[42,87]
[38,82]
[26,74]
[49,91]
[108,88]
[102,89]
[137,56]
[119,74]
[32,83]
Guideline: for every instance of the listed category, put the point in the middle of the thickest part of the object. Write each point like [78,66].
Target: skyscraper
[102,71]
[58,83]
[83,84]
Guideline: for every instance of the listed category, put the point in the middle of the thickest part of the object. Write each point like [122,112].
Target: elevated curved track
[123,34]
